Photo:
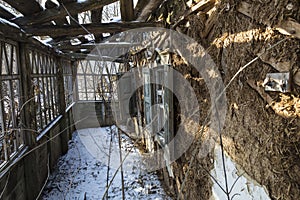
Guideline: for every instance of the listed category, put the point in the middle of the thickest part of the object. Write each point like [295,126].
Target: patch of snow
[116,19]
[44,41]
[78,173]
[10,9]
[245,188]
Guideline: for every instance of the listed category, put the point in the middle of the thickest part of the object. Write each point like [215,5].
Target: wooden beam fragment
[6,14]
[61,12]
[126,7]
[11,31]
[27,7]
[287,26]
[71,30]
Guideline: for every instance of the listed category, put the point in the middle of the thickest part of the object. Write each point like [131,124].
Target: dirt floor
[262,129]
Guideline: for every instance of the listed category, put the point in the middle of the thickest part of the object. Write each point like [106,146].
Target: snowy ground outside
[83,171]
[244,188]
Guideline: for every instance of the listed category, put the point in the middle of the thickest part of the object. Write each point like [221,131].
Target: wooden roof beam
[6,14]
[27,7]
[127,12]
[100,46]
[71,30]
[59,12]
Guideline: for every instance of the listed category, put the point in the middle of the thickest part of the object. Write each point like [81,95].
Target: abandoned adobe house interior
[150,99]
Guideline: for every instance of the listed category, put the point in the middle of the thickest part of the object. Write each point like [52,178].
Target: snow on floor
[244,188]
[83,170]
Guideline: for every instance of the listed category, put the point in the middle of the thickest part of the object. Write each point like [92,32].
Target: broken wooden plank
[27,7]
[149,8]
[286,27]
[71,30]
[210,23]
[126,7]
[6,14]
[201,6]
[11,30]
[61,12]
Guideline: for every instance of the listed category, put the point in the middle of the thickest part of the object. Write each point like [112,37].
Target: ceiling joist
[60,12]
[71,30]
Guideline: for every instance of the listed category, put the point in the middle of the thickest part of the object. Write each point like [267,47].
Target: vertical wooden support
[127,12]
[97,18]
[28,120]
[27,97]
[62,107]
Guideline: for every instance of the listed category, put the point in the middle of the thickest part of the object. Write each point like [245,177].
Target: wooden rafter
[61,12]
[27,7]
[127,13]
[4,13]
[100,46]
[72,30]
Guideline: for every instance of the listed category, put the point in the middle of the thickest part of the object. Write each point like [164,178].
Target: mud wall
[262,136]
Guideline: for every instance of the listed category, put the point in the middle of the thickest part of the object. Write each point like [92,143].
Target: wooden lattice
[11,137]
[44,81]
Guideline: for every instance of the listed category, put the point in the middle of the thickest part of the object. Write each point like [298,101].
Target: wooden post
[27,97]
[62,106]
[127,13]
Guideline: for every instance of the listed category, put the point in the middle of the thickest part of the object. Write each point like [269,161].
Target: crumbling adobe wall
[264,139]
